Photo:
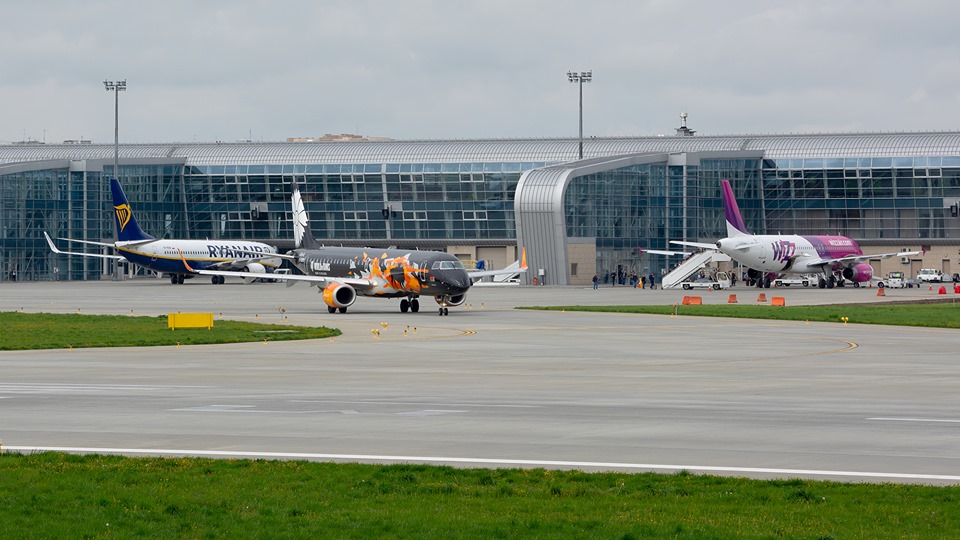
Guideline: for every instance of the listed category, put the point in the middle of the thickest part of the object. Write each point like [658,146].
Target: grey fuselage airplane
[343,273]
[166,255]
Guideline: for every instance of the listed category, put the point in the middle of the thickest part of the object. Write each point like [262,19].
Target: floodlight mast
[116,88]
[580,78]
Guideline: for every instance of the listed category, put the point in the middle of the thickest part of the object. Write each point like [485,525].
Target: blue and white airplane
[164,255]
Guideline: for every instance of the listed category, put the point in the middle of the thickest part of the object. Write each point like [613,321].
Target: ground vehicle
[788,280]
[894,280]
[720,281]
[931,275]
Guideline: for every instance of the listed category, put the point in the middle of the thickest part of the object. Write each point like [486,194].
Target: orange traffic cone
[732,299]
[762,298]
[942,290]
[880,292]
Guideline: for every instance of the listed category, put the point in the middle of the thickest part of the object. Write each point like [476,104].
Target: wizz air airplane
[768,255]
[342,273]
[164,255]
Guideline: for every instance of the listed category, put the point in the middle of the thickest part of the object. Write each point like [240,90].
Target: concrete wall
[583,253]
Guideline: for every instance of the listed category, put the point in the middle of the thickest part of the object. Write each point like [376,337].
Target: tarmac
[494,386]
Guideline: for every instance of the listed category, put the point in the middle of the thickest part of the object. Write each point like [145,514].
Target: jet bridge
[690,266]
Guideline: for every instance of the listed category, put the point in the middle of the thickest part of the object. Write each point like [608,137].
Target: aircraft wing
[477,274]
[240,264]
[661,252]
[701,245]
[856,259]
[357,283]
[53,247]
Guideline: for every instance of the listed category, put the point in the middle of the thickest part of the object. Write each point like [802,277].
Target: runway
[489,385]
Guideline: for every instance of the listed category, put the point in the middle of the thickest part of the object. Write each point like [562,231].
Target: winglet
[185,264]
[53,246]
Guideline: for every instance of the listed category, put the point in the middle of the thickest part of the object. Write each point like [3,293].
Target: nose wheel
[444,311]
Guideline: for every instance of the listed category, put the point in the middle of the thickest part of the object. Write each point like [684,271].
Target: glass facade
[403,202]
[460,193]
[391,203]
[646,206]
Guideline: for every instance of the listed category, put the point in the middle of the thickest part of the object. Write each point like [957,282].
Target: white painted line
[481,461]
[401,402]
[942,420]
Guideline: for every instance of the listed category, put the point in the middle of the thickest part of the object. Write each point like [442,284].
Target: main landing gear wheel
[409,305]
[331,309]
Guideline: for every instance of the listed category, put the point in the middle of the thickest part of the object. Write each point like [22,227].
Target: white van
[930,275]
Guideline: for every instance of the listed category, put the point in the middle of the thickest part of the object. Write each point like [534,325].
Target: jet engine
[256,267]
[252,267]
[858,272]
[339,295]
[450,299]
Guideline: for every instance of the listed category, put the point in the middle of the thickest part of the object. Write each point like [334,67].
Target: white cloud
[225,70]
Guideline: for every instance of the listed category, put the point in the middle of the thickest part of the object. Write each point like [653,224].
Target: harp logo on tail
[123,215]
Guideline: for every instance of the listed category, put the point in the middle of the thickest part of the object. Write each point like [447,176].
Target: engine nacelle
[858,273]
[450,299]
[339,295]
[256,267]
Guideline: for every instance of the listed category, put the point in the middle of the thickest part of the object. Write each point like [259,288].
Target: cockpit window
[447,265]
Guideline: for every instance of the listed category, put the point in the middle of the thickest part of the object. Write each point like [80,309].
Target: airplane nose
[456,280]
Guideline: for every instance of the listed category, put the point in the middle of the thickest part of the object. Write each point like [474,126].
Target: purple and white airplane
[768,255]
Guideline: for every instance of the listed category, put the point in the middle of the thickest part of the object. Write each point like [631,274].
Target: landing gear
[217,280]
[444,311]
[176,279]
[409,305]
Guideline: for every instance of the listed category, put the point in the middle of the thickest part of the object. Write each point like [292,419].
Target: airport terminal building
[481,199]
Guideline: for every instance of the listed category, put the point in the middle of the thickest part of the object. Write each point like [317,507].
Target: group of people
[623,279]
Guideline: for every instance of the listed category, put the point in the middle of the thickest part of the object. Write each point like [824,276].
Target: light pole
[116,87]
[580,78]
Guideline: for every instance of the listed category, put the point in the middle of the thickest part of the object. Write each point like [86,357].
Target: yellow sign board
[189,320]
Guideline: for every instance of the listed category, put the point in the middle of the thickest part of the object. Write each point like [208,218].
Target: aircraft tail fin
[302,236]
[127,227]
[735,223]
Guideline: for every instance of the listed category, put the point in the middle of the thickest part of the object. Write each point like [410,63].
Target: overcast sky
[231,70]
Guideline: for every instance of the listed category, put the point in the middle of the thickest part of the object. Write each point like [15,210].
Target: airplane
[164,255]
[342,273]
[768,255]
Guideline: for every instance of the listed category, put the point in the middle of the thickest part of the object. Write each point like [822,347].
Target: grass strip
[22,331]
[945,315]
[54,495]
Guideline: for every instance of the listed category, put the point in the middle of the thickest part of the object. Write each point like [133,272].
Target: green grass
[57,331]
[53,495]
[932,315]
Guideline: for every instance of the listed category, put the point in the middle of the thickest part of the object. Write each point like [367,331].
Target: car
[722,281]
[931,275]
[894,280]
[786,281]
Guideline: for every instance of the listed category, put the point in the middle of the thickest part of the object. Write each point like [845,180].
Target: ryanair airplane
[342,273]
[170,256]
